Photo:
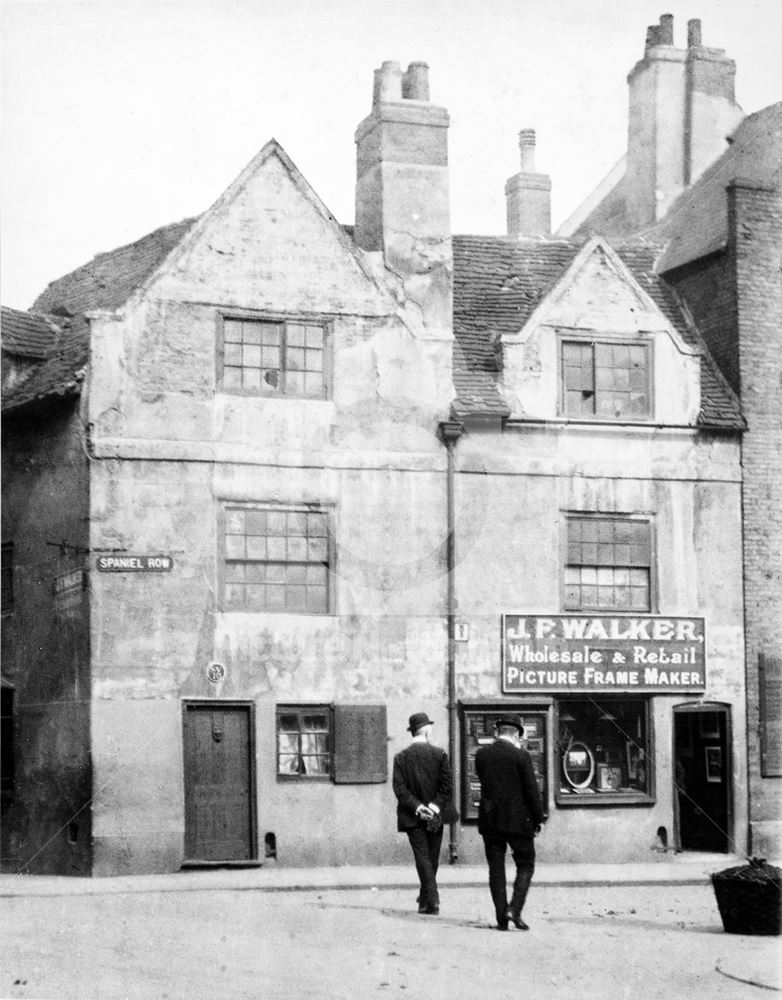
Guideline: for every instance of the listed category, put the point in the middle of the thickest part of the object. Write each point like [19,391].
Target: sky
[120,117]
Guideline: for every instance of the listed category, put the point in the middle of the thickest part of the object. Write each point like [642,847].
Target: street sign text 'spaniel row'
[134,564]
[603,652]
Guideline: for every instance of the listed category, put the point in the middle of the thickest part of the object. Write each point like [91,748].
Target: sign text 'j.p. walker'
[134,564]
[602,652]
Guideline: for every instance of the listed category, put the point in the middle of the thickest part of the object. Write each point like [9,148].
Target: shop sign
[602,653]
[68,589]
[135,564]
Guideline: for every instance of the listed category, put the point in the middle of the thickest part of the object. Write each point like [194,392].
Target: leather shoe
[517,921]
[502,925]
[430,911]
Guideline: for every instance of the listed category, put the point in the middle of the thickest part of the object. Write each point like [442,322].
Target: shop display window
[603,751]
[478,730]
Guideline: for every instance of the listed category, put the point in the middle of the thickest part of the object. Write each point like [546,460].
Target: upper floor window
[605,379]
[7,576]
[276,559]
[608,564]
[274,357]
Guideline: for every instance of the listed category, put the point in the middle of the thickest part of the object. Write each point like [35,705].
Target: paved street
[590,941]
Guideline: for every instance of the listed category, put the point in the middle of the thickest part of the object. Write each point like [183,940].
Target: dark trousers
[426,851]
[523,852]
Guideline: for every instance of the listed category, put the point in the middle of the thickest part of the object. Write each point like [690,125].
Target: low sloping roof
[62,340]
[26,335]
[697,222]
[499,281]
[59,374]
[109,279]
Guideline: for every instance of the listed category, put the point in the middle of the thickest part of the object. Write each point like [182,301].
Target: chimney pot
[527,150]
[415,82]
[390,89]
[694,33]
[666,29]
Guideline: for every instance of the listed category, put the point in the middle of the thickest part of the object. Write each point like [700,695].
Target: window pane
[297,548]
[273,554]
[294,383]
[277,549]
[251,379]
[255,597]
[317,600]
[294,359]
[296,598]
[270,357]
[251,356]
[296,335]
[603,747]
[255,522]
[234,547]
[313,384]
[251,332]
[232,354]
[234,596]
[601,574]
[303,740]
[314,336]
[271,333]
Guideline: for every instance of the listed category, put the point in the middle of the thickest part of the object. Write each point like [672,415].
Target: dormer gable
[599,347]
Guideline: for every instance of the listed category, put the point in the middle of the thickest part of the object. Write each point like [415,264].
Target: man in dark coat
[510,814]
[423,785]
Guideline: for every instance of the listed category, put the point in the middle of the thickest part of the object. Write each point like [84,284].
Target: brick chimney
[682,108]
[528,194]
[402,204]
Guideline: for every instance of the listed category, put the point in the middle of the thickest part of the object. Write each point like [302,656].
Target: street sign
[134,564]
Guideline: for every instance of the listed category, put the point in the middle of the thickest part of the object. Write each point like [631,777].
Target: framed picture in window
[713,764]
[609,779]
[636,765]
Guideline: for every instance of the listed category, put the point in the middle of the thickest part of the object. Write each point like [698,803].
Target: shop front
[631,749]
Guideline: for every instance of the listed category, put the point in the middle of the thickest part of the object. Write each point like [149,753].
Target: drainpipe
[450,431]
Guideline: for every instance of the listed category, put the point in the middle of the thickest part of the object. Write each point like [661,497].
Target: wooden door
[218,783]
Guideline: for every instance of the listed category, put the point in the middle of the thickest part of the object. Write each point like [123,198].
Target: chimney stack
[528,194]
[402,206]
[682,107]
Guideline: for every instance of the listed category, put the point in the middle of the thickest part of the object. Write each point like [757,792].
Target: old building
[276,483]
[704,181]
[723,256]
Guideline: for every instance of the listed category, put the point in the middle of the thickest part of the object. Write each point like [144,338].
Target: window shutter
[770,677]
[360,744]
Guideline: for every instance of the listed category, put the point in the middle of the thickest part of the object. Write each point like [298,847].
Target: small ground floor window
[604,751]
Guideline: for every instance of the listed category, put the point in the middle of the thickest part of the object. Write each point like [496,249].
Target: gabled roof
[500,280]
[109,279]
[697,222]
[25,334]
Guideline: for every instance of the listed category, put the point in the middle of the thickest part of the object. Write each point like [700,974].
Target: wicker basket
[749,898]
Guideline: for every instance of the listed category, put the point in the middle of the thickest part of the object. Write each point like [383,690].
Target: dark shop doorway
[702,778]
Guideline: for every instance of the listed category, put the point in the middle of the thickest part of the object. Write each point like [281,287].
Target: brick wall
[709,288]
[755,227]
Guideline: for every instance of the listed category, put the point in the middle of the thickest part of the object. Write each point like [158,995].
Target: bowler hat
[418,719]
[508,721]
